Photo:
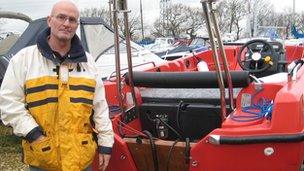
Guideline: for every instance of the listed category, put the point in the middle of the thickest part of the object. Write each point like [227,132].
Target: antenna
[142,21]
[164,6]
[110,12]
[294,11]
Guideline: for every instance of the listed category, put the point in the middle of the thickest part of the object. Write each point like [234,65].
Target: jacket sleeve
[102,121]
[101,118]
[12,100]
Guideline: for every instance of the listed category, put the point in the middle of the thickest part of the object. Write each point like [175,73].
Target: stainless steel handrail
[217,45]
[129,55]
[117,56]
[224,58]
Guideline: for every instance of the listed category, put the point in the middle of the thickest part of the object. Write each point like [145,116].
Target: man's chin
[65,38]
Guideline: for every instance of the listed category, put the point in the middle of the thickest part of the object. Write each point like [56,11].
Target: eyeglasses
[62,18]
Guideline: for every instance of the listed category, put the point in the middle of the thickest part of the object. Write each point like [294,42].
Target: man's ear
[48,19]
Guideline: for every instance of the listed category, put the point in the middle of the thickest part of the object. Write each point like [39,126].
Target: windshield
[100,41]
[99,38]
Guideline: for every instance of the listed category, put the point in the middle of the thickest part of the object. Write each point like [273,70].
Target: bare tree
[281,21]
[232,13]
[299,21]
[134,26]
[195,21]
[134,22]
[96,12]
[286,19]
[176,20]
[172,26]
[258,12]
[182,20]
[158,28]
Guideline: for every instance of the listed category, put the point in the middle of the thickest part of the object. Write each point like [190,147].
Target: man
[52,97]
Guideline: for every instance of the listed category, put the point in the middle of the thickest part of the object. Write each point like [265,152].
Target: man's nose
[67,22]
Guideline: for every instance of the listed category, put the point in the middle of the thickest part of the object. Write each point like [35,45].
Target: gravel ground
[12,162]
[10,151]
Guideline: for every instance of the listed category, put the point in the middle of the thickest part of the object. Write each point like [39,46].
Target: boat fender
[202,66]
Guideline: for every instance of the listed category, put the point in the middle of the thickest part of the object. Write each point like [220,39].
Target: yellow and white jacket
[65,102]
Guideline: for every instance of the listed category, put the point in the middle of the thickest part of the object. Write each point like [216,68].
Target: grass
[10,151]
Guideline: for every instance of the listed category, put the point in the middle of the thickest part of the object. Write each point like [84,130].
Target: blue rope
[263,108]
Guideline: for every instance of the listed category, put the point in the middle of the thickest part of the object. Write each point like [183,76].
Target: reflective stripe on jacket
[60,100]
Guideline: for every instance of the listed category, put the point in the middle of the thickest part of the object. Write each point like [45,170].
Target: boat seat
[186,79]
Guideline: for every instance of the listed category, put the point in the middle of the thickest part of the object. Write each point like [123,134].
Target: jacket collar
[76,53]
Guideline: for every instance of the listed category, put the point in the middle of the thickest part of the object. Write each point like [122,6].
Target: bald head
[63,22]
[64,5]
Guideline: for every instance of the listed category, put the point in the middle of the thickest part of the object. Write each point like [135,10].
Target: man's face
[63,23]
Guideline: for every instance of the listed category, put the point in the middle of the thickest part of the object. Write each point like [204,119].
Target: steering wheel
[256,56]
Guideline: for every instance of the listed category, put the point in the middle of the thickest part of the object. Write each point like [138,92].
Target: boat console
[262,58]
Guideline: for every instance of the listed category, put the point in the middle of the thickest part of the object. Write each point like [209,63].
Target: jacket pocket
[45,153]
[87,148]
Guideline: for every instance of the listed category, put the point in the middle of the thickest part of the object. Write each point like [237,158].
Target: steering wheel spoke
[262,48]
[247,60]
[251,50]
[256,65]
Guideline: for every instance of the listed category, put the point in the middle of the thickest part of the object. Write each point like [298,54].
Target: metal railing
[217,46]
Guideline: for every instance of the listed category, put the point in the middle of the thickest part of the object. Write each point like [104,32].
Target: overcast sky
[41,8]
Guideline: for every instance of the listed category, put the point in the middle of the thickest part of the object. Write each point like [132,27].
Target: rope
[262,109]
